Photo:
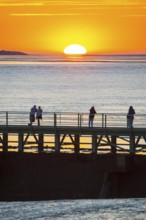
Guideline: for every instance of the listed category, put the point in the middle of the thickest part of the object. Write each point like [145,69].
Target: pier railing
[72,119]
[70,132]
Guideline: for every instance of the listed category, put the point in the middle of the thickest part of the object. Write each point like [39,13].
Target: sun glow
[75,49]
[48,27]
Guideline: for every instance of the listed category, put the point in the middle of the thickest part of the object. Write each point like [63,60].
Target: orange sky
[48,26]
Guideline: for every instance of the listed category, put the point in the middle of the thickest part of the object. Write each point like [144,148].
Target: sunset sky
[48,26]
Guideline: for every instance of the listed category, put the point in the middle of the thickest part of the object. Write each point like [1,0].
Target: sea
[73,84]
[58,84]
[112,209]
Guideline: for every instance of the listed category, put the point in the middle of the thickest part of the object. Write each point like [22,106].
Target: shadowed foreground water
[75,209]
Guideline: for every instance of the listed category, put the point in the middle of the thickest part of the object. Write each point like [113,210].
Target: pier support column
[132,143]
[5,142]
[41,143]
[94,143]
[20,142]
[114,142]
[57,142]
[77,143]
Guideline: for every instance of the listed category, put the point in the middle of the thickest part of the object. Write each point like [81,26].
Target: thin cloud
[72,14]
[94,2]
[45,14]
[74,2]
[138,15]
[20,4]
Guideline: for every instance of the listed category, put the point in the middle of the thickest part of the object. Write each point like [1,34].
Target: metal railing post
[105,123]
[78,119]
[60,119]
[102,120]
[7,119]
[55,120]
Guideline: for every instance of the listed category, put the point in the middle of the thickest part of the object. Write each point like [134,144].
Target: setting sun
[48,27]
[75,49]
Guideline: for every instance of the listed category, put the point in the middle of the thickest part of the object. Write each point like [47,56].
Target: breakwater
[29,176]
[69,160]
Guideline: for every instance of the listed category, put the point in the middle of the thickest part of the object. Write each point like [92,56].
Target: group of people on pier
[36,113]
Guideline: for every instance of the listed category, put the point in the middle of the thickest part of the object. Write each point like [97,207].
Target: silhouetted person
[32,114]
[39,115]
[130,117]
[91,116]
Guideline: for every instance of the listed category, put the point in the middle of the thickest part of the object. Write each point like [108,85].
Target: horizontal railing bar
[72,119]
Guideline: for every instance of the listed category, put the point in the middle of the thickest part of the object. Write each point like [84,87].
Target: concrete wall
[28,176]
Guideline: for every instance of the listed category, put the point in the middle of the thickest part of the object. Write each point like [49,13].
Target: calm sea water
[110,83]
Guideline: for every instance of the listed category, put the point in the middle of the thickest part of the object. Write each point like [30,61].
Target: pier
[69,132]
[64,158]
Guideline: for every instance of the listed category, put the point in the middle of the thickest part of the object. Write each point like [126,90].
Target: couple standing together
[35,112]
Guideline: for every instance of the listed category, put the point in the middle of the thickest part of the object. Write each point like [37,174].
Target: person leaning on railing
[130,117]
[91,116]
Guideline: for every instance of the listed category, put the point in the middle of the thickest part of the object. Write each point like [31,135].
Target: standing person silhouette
[130,117]
[91,116]
[32,114]
[39,115]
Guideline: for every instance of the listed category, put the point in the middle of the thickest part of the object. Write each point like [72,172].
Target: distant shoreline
[7,52]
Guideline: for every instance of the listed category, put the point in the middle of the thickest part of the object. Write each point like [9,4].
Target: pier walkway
[69,132]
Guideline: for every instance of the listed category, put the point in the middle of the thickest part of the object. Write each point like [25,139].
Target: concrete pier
[29,176]
[69,160]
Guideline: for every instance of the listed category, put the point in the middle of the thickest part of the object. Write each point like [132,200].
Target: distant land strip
[6,52]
